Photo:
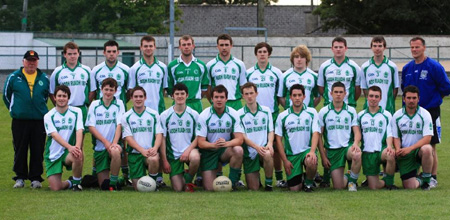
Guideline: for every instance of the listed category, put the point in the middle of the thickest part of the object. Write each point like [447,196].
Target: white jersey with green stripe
[307,78]
[268,83]
[66,125]
[230,74]
[256,126]
[153,78]
[119,72]
[77,79]
[337,126]
[105,120]
[142,127]
[348,72]
[179,130]
[384,76]
[410,129]
[213,126]
[297,129]
[375,129]
[194,75]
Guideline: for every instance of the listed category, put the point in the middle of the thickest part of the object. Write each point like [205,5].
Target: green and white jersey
[213,126]
[268,83]
[77,79]
[105,120]
[179,130]
[119,72]
[337,126]
[194,75]
[231,74]
[256,126]
[143,127]
[153,78]
[66,125]
[375,129]
[410,129]
[348,72]
[297,129]
[384,76]
[307,78]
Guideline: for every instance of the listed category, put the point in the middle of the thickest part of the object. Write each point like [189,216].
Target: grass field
[27,203]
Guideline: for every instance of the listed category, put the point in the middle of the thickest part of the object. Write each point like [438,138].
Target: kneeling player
[412,129]
[179,147]
[104,119]
[258,127]
[64,125]
[298,126]
[143,133]
[377,145]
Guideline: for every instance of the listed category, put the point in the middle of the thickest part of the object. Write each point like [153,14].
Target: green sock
[426,177]
[188,177]
[309,182]
[124,171]
[113,180]
[353,177]
[326,175]
[153,175]
[279,174]
[389,180]
[268,181]
[234,175]
[76,181]
[94,171]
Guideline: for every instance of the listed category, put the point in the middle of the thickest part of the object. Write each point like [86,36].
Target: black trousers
[28,134]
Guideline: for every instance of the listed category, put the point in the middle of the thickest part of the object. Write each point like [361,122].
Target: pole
[172,30]
[24,16]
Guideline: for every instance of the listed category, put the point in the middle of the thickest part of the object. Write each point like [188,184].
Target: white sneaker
[19,183]
[281,184]
[433,183]
[352,187]
[36,184]
[240,183]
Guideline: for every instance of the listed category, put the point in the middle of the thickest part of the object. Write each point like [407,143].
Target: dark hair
[186,38]
[223,37]
[411,89]
[339,39]
[378,39]
[180,87]
[417,38]
[70,45]
[261,45]
[219,89]
[109,82]
[148,38]
[64,89]
[298,87]
[110,43]
[249,85]
[337,84]
[138,88]
[375,89]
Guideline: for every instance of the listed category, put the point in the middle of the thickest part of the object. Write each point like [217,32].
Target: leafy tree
[225,2]
[10,15]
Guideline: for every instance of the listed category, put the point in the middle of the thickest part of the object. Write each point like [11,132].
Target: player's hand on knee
[185,156]
[75,151]
[152,152]
[311,157]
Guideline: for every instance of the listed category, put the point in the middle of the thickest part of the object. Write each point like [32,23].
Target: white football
[146,184]
[222,184]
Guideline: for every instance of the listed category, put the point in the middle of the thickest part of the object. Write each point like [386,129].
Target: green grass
[322,204]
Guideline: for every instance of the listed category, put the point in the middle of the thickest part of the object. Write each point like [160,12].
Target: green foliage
[386,17]
[10,17]
[225,2]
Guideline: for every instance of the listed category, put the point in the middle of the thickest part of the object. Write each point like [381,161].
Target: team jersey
[213,126]
[384,76]
[153,78]
[194,75]
[78,81]
[375,129]
[66,125]
[179,130]
[256,126]
[231,74]
[119,72]
[348,72]
[268,83]
[297,129]
[105,120]
[142,127]
[410,129]
[307,78]
[337,126]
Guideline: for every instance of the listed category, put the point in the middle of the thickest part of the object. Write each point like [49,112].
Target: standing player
[190,71]
[341,136]
[227,70]
[150,74]
[220,136]
[104,123]
[298,126]
[376,141]
[340,69]
[412,131]
[179,146]
[143,133]
[259,137]
[64,126]
[380,71]
[430,77]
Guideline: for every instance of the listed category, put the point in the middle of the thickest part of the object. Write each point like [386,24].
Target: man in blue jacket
[25,95]
[431,79]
